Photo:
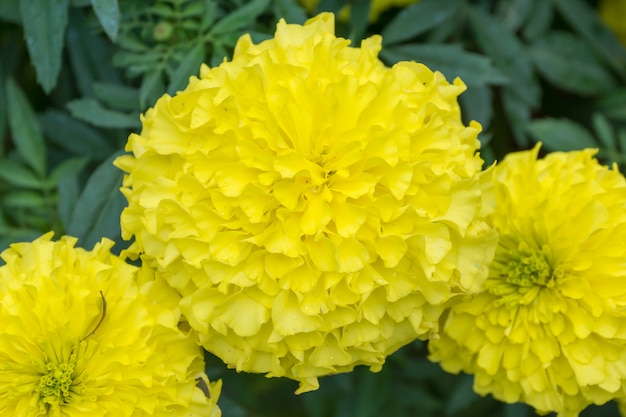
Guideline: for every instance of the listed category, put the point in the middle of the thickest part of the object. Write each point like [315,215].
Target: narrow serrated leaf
[20,199]
[90,218]
[240,17]
[151,88]
[18,175]
[25,129]
[74,136]
[117,96]
[417,19]
[108,12]
[451,60]
[604,131]
[91,111]
[566,61]
[508,54]
[539,21]
[477,105]
[462,395]
[290,10]
[584,20]
[561,134]
[44,23]
[189,66]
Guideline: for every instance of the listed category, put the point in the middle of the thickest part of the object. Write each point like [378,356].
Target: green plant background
[75,75]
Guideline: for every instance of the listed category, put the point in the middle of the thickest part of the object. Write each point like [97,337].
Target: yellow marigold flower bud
[314,208]
[613,14]
[86,334]
[549,328]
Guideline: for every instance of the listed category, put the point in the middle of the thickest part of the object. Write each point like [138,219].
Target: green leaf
[372,392]
[476,103]
[567,62]
[189,66]
[561,134]
[613,105]
[27,136]
[68,189]
[90,57]
[451,60]
[462,395]
[515,12]
[91,111]
[518,113]
[151,89]
[604,131]
[417,19]
[539,21]
[24,200]
[18,175]
[44,23]
[117,96]
[239,17]
[70,166]
[10,11]
[290,10]
[585,21]
[108,12]
[3,110]
[359,14]
[508,55]
[517,410]
[74,136]
[97,211]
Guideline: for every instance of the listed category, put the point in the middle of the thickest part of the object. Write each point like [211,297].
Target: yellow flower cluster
[86,334]
[376,7]
[314,208]
[549,328]
[613,13]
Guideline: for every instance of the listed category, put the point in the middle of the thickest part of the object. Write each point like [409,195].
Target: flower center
[527,268]
[54,386]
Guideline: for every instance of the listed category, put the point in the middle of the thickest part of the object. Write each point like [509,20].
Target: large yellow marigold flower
[613,13]
[81,336]
[314,208]
[549,328]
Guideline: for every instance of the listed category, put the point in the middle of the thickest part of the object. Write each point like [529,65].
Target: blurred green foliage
[75,75]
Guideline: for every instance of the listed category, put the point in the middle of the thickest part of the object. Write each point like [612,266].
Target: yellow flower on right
[549,327]
[613,14]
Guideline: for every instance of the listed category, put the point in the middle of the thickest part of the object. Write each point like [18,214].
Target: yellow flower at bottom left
[83,333]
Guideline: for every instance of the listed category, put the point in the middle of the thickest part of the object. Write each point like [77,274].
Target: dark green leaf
[189,66]
[290,10]
[10,11]
[74,136]
[561,134]
[209,15]
[462,395]
[27,136]
[24,199]
[372,392]
[417,19]
[117,96]
[151,89]
[71,166]
[451,60]
[567,62]
[518,113]
[585,21]
[604,131]
[359,14]
[44,24]
[507,53]
[68,191]
[539,21]
[240,17]
[91,111]
[613,105]
[476,103]
[18,175]
[3,110]
[515,12]
[97,211]
[108,13]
